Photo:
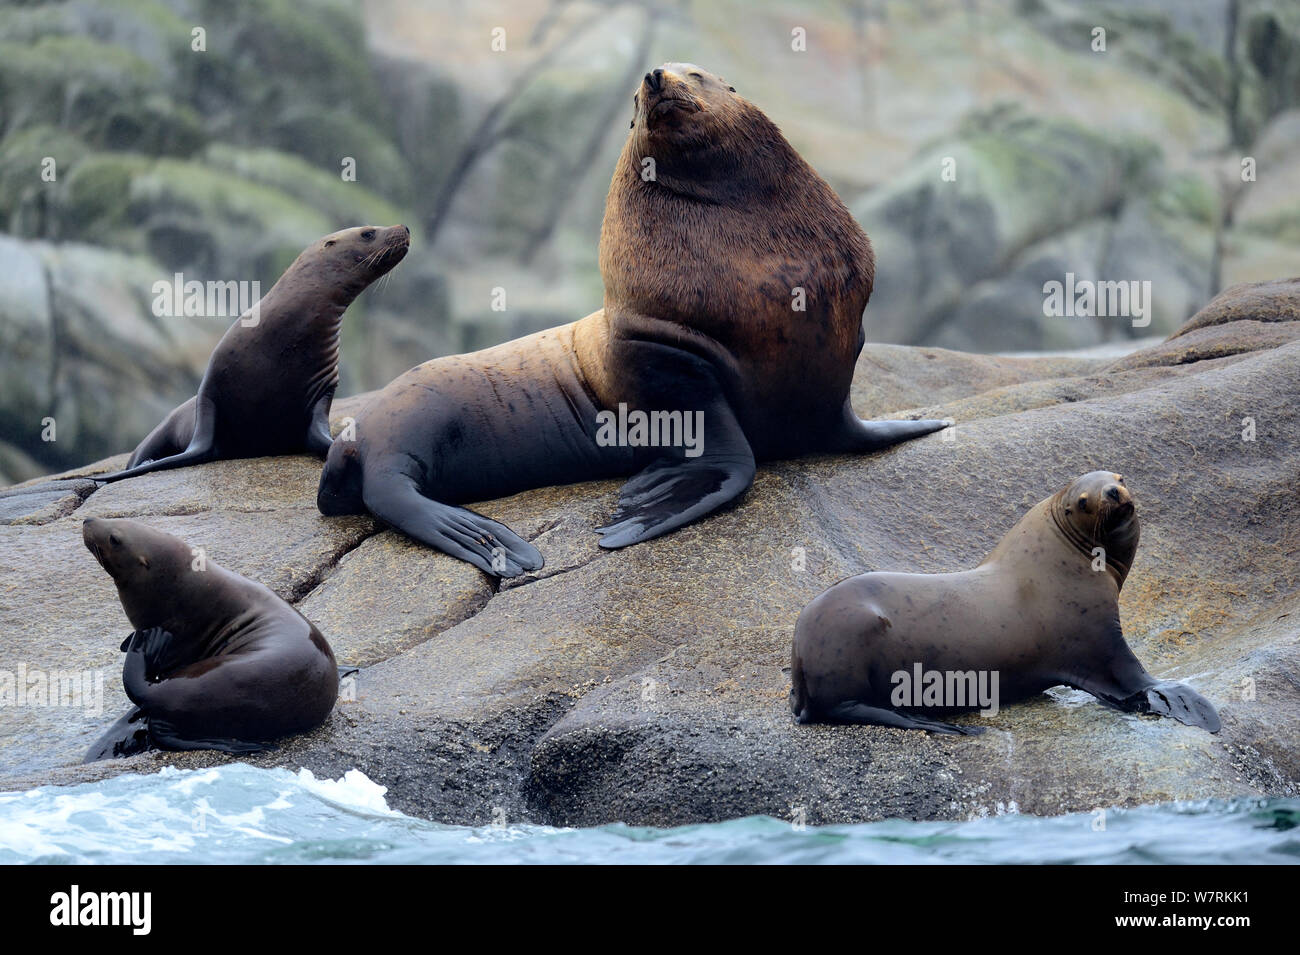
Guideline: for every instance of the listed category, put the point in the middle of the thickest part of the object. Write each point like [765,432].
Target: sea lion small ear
[144,561]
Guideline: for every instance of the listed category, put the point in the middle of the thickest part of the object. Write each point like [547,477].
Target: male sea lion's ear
[144,561]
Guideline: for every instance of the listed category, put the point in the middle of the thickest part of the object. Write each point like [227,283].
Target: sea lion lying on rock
[735,281]
[1041,610]
[272,377]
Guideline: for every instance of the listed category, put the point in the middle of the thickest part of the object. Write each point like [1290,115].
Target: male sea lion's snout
[654,80]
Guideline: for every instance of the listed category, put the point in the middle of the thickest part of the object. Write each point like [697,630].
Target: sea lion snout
[654,80]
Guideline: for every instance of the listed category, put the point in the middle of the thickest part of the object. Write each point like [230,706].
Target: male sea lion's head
[145,563]
[1097,510]
[346,262]
[706,141]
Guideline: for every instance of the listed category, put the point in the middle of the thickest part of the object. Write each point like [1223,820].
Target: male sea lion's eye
[731,89]
[368,234]
[698,76]
[114,540]
[328,243]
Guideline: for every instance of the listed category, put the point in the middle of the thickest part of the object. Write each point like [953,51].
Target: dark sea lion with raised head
[1040,611]
[271,379]
[735,282]
[216,661]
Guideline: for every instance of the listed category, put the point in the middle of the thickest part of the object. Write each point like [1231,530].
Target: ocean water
[241,814]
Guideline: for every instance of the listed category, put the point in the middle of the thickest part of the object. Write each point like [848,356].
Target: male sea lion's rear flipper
[854,712]
[1182,703]
[202,446]
[165,736]
[127,737]
[488,545]
[858,436]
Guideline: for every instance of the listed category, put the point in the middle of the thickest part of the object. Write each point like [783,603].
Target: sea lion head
[348,261]
[145,563]
[706,141]
[339,491]
[1097,510]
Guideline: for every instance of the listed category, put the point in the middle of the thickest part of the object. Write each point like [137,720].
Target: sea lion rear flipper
[202,446]
[853,712]
[165,736]
[858,436]
[488,545]
[1183,704]
[318,438]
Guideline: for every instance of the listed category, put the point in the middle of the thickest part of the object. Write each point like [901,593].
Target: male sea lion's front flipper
[678,488]
[488,545]
[202,446]
[854,712]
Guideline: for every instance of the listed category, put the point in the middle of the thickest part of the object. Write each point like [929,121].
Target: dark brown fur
[699,268]
[216,661]
[271,379]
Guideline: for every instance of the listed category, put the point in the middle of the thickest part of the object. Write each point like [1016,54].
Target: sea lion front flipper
[202,446]
[852,711]
[127,737]
[1180,702]
[490,546]
[671,493]
[157,646]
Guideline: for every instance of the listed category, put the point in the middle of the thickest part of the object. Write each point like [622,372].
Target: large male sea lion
[1041,610]
[270,381]
[216,661]
[735,281]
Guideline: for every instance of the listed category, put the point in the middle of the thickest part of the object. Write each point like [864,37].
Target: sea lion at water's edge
[1041,610]
[216,661]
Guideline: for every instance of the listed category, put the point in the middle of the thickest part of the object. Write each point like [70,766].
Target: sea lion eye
[698,76]
[1083,503]
[368,234]
[114,540]
[328,243]
[731,89]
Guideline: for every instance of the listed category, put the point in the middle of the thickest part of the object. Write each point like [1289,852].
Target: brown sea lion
[270,381]
[735,281]
[216,661]
[1041,610]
